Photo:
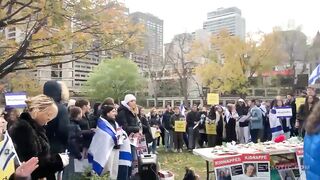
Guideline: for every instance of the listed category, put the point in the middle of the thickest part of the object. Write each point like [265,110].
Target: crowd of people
[53,131]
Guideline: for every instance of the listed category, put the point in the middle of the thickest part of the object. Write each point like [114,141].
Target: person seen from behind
[56,130]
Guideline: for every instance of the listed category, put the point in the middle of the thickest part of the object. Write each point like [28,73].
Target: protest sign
[180,126]
[211,128]
[286,166]
[256,166]
[7,157]
[142,147]
[16,99]
[82,165]
[229,167]
[213,98]
[299,102]
[299,153]
[155,132]
[284,111]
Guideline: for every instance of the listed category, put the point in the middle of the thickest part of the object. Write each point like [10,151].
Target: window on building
[56,74]
[12,35]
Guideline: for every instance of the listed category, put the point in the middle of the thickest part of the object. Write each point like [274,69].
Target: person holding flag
[8,156]
[110,150]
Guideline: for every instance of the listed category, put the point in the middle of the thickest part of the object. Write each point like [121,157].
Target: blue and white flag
[102,146]
[275,124]
[125,157]
[7,157]
[314,75]
[182,110]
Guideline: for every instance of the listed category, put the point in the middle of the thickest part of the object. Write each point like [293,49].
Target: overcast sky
[181,16]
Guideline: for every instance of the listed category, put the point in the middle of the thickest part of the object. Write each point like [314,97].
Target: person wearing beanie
[127,117]
[57,129]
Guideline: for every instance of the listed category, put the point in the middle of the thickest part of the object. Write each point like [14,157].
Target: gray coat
[256,120]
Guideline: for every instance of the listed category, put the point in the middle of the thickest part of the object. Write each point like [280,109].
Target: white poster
[256,166]
[228,168]
[284,112]
[302,171]
[16,99]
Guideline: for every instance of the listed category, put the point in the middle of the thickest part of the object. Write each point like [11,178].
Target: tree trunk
[155,99]
[185,91]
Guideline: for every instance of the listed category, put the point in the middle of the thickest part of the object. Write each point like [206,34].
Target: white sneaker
[180,150]
[175,151]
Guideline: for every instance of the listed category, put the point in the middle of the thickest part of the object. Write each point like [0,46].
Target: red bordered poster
[256,166]
[228,168]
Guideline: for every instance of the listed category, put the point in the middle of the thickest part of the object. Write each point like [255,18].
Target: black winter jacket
[75,141]
[57,129]
[86,131]
[30,140]
[192,118]
[166,120]
[146,129]
[154,121]
[174,118]
[127,120]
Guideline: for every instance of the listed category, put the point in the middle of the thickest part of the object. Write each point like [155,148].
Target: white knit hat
[129,97]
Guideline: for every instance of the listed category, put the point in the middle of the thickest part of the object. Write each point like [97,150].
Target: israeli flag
[103,142]
[314,75]
[182,110]
[7,152]
[125,157]
[275,124]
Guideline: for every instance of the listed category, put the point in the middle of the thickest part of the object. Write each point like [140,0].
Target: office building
[226,18]
[152,39]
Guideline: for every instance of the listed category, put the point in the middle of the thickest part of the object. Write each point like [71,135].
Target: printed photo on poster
[286,166]
[256,166]
[142,147]
[229,168]
[287,175]
[250,169]
[302,172]
[223,174]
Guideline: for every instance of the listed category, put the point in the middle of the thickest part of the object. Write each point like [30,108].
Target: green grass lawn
[176,163]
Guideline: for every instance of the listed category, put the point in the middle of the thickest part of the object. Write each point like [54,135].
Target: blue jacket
[311,156]
[256,120]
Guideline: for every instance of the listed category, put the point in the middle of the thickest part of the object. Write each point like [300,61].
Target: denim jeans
[168,140]
[178,140]
[256,134]
[193,137]
[123,173]
[154,146]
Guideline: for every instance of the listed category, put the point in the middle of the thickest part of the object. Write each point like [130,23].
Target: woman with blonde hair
[30,139]
[312,144]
